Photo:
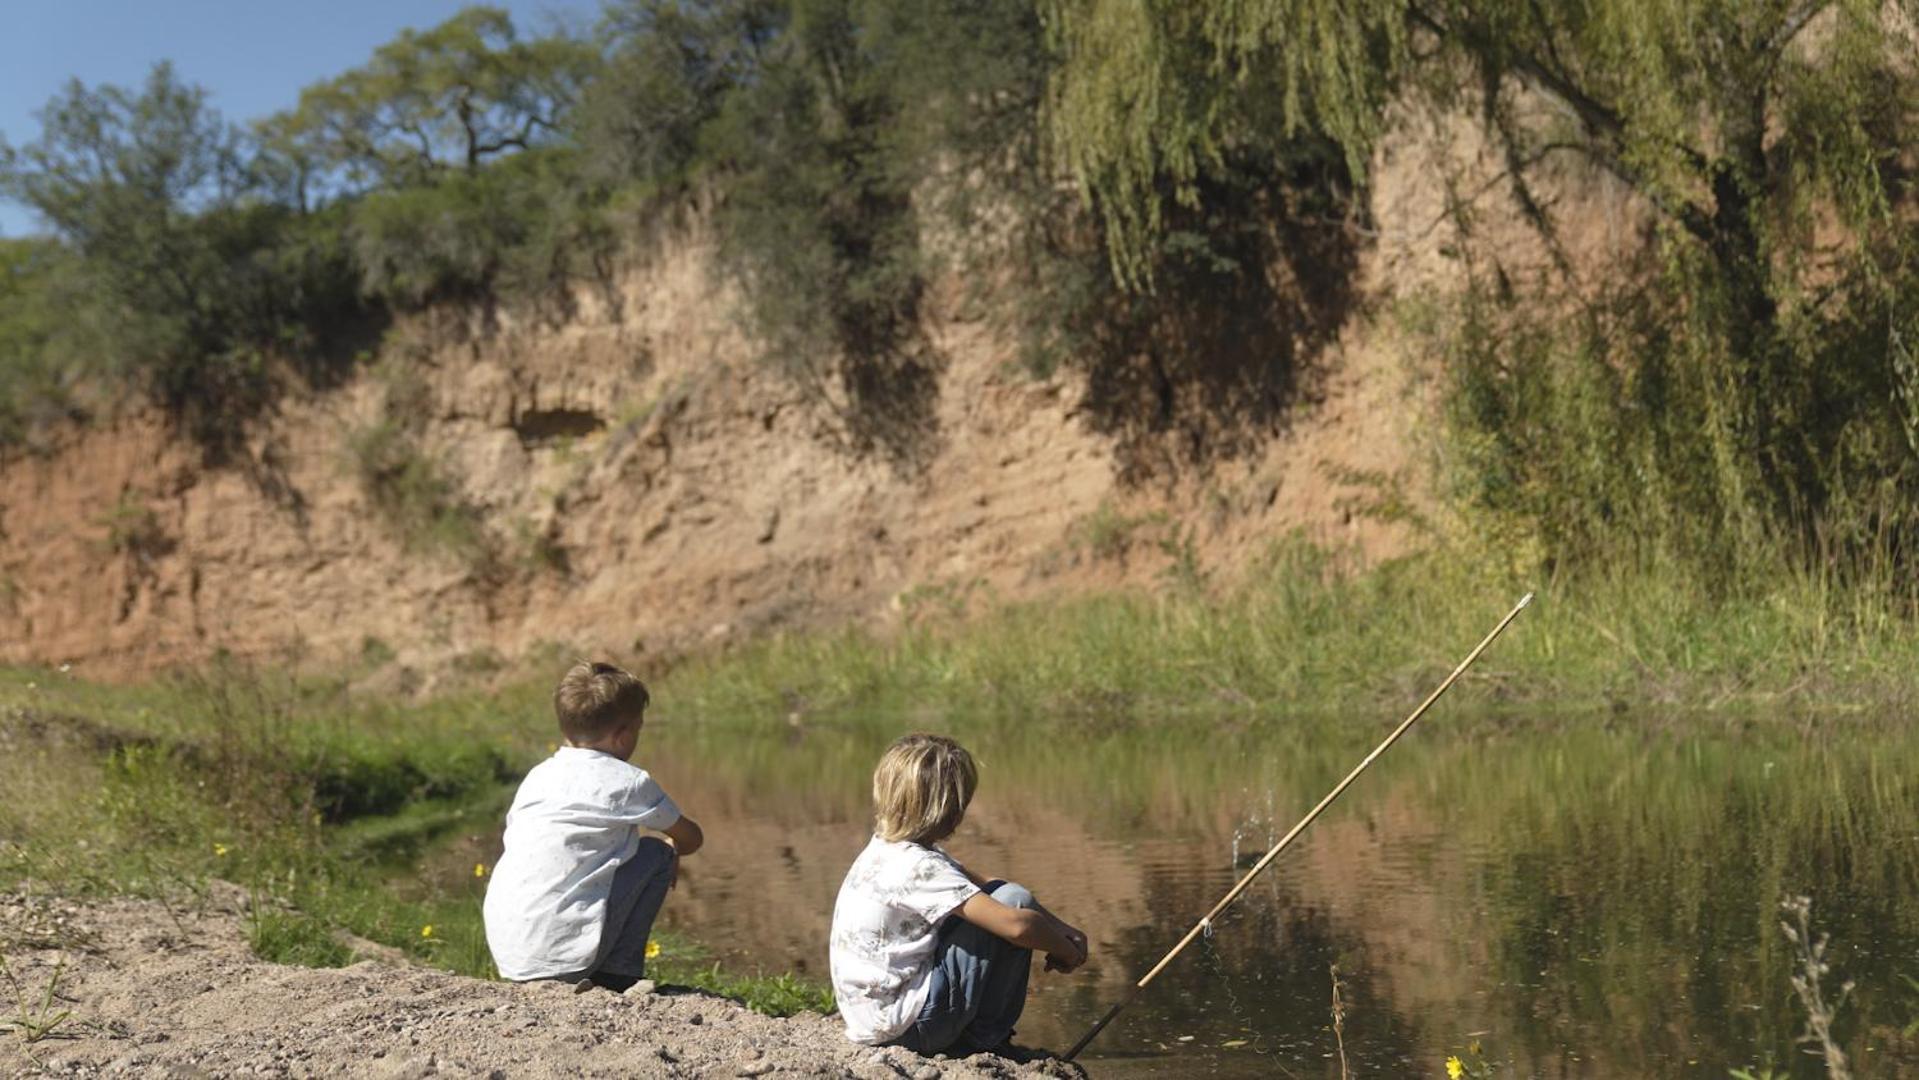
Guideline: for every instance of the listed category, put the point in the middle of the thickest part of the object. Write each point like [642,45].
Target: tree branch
[1603,123]
[1794,22]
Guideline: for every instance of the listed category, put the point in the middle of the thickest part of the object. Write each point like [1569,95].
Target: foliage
[411,492]
[1304,632]
[34,1020]
[176,280]
[670,66]
[291,937]
[36,381]
[1808,982]
[819,222]
[1747,384]
[448,98]
[519,228]
[1738,389]
[1150,98]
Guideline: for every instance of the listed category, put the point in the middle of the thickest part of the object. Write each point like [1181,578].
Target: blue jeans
[639,889]
[977,988]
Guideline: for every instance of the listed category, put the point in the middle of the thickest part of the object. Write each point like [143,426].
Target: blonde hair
[595,699]
[921,787]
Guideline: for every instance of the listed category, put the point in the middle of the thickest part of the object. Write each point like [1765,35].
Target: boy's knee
[655,852]
[1010,894]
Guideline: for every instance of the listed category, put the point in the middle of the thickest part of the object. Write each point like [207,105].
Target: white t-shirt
[885,930]
[574,821]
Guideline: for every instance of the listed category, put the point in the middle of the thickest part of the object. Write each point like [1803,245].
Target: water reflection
[1583,896]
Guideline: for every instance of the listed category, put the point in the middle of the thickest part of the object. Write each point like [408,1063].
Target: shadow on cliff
[1215,360]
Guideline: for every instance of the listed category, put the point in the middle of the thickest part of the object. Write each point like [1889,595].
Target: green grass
[1303,632]
[316,802]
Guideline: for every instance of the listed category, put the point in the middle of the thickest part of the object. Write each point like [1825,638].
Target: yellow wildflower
[220,850]
[427,930]
[652,948]
[1455,1068]
[479,869]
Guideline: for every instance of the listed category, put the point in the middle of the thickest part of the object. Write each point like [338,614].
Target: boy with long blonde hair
[926,954]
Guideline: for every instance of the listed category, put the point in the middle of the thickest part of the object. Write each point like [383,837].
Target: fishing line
[1206,922]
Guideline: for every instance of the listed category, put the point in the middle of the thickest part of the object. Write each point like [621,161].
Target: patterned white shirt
[885,929]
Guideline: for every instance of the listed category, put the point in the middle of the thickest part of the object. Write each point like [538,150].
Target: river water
[1577,895]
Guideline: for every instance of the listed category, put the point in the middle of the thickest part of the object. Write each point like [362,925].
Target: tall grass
[1305,631]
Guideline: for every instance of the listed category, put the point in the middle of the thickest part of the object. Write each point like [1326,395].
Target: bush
[36,379]
[524,229]
[414,496]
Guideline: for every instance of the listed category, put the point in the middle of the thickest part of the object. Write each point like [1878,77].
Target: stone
[643,988]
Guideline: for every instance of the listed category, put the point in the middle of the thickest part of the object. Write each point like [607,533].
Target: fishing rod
[1267,860]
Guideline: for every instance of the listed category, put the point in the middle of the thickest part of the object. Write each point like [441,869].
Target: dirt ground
[150,991]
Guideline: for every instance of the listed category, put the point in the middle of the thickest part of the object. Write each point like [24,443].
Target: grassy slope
[318,805]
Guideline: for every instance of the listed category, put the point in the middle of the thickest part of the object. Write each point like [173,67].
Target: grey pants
[639,888]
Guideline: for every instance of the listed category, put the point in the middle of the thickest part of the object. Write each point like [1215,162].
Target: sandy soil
[158,992]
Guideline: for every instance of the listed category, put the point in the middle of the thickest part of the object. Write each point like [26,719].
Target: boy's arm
[1029,928]
[685,835]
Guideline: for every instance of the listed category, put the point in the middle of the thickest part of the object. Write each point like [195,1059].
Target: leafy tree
[1746,383]
[450,98]
[670,66]
[524,228]
[178,282]
[819,224]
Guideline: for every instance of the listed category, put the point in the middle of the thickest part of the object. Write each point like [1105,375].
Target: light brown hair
[596,699]
[921,787]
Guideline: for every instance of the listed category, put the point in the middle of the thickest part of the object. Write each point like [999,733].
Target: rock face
[634,480]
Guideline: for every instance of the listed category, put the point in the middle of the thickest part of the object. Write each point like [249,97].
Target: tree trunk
[1762,371]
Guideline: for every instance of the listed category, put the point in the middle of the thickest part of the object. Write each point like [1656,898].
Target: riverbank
[1307,630]
[318,807]
[141,987]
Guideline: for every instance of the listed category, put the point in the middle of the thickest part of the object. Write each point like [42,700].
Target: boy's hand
[1063,963]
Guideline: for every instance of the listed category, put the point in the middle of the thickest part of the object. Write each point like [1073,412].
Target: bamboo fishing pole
[1267,859]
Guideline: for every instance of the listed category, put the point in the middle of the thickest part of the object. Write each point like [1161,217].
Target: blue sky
[253,56]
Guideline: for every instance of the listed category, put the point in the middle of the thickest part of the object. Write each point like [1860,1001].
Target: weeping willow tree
[1748,388]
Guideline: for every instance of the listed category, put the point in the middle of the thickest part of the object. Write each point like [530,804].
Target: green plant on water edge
[292,937]
[34,1020]
[785,994]
[1808,983]
[1307,628]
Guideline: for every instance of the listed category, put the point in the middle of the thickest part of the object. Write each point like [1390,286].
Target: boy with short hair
[925,953]
[576,891]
